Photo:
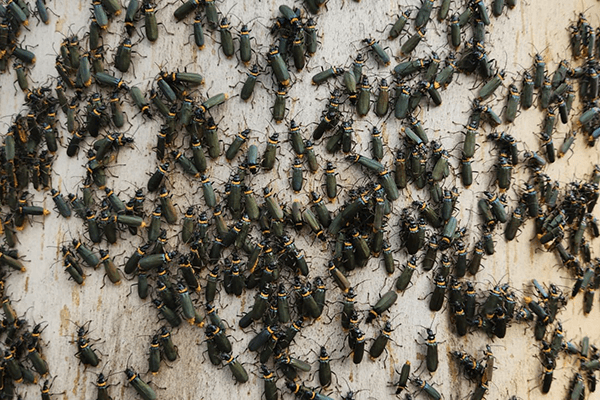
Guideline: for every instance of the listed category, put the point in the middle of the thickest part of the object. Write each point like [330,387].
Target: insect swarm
[250,247]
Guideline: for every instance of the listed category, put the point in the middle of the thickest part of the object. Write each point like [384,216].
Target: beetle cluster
[15,16]
[22,357]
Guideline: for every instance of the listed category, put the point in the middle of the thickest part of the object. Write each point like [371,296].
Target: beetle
[198,31]
[437,297]
[512,102]
[427,388]
[560,74]
[166,89]
[357,339]
[123,55]
[304,392]
[141,387]
[185,9]
[380,54]
[61,204]
[187,308]
[548,370]
[226,38]
[13,368]
[298,50]
[86,353]
[407,68]
[71,269]
[234,147]
[381,341]
[577,388]
[86,254]
[322,76]
[270,386]
[236,368]
[416,96]
[384,303]
[279,106]
[549,146]
[310,36]
[112,7]
[399,25]
[567,143]
[210,10]
[130,14]
[250,82]
[153,261]
[278,65]
[21,76]
[296,139]
[546,93]
[424,13]
[466,171]
[109,267]
[514,223]
[150,24]
[132,262]
[154,356]
[414,40]
[455,31]
[430,255]
[490,87]
[549,121]
[432,353]
[139,100]
[156,179]
[169,349]
[350,81]
[100,14]
[475,262]
[363,102]
[448,233]
[382,103]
